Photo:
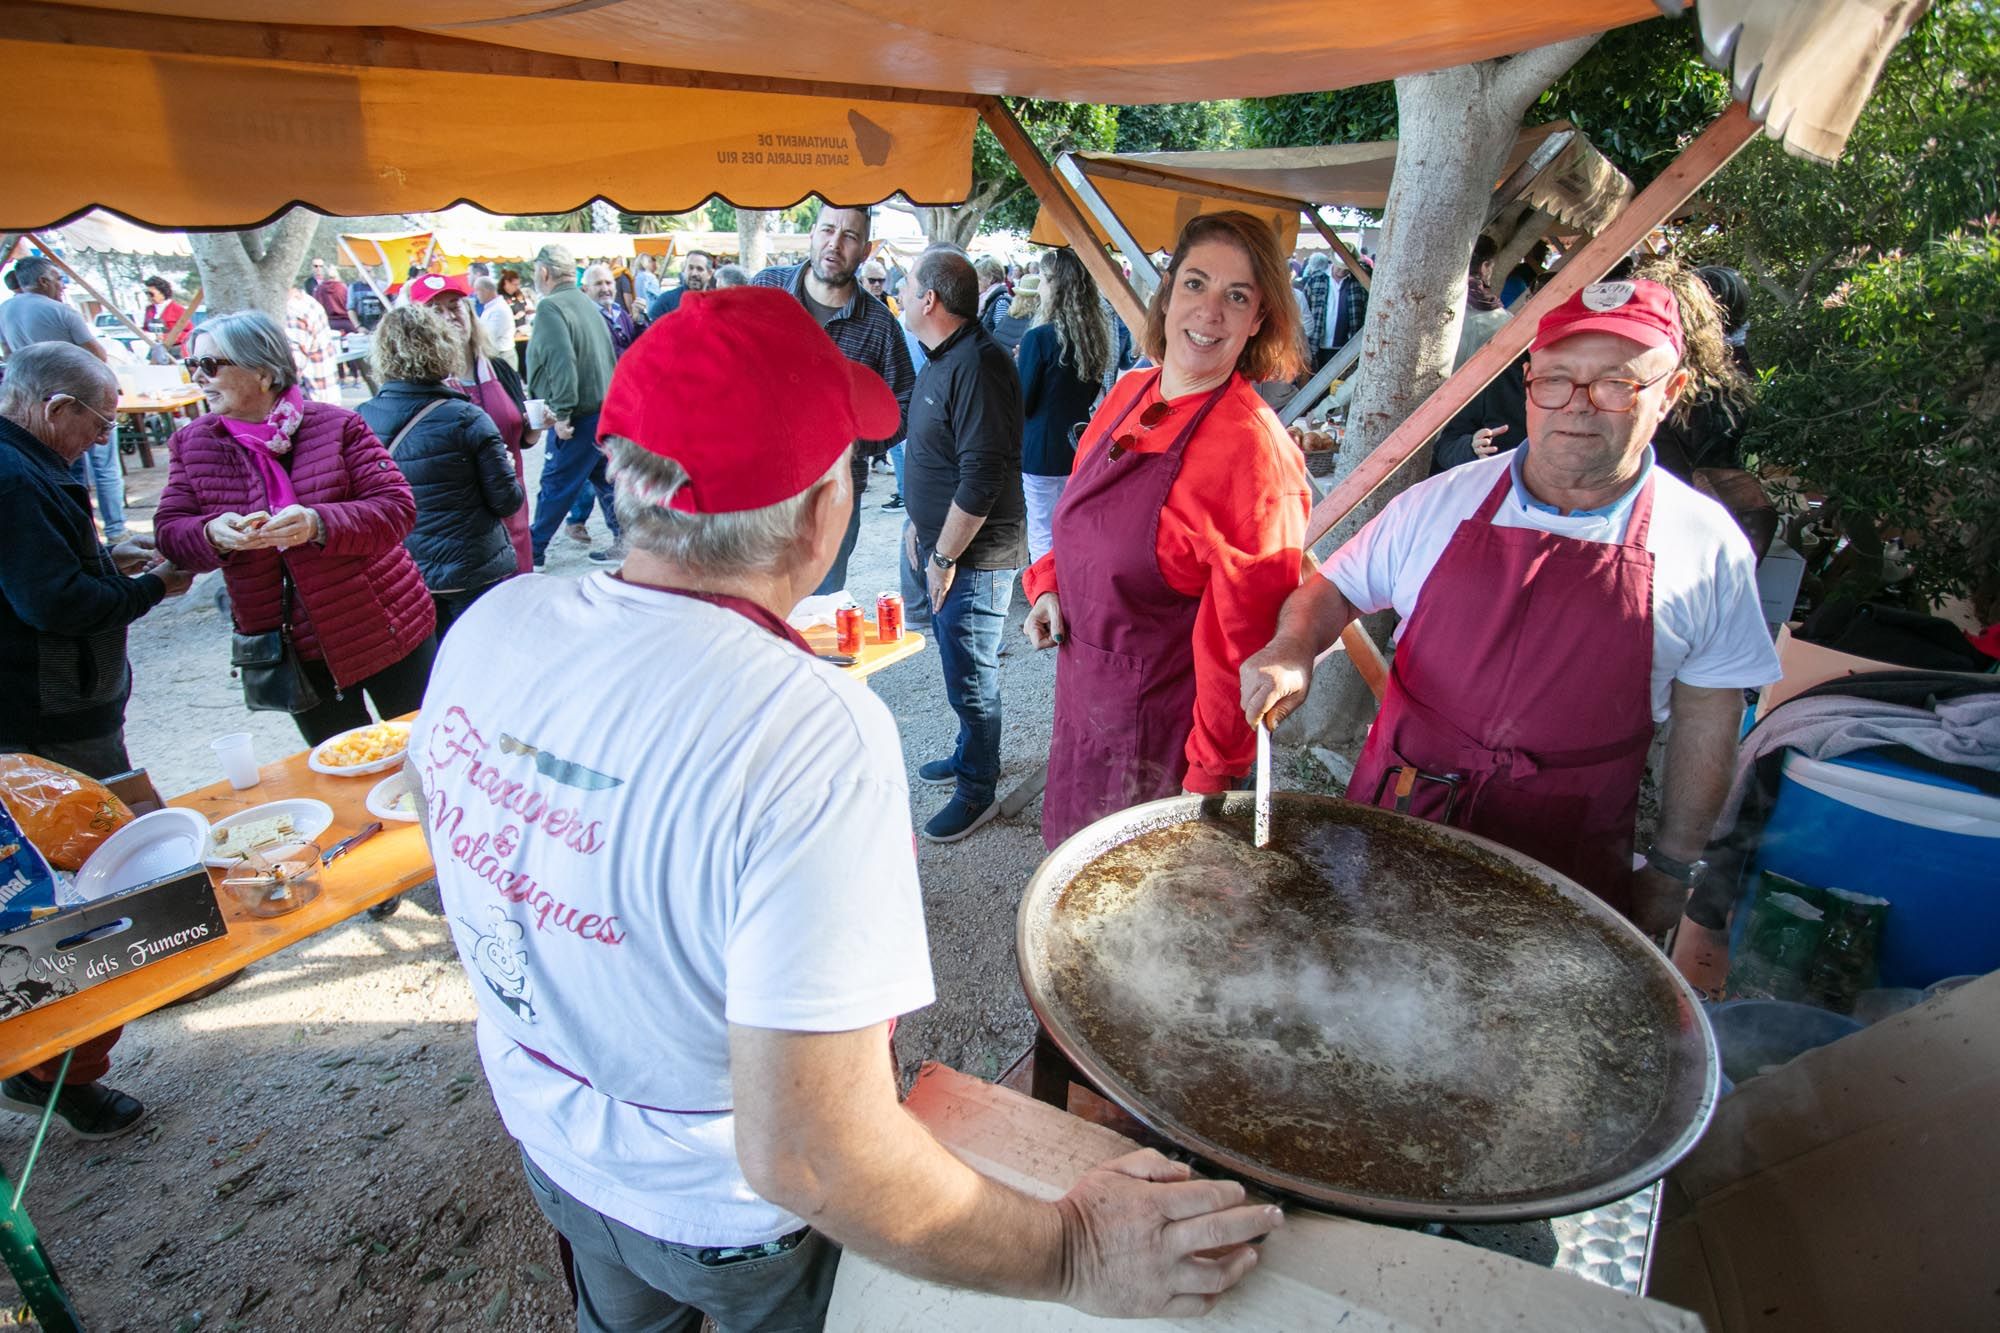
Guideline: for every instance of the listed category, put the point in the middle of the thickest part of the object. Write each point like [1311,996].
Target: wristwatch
[1687,872]
[941,560]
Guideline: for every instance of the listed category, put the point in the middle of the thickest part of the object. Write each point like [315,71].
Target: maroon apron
[1520,702]
[491,396]
[1125,669]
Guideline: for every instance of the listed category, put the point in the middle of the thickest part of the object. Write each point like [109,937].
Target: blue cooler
[1928,844]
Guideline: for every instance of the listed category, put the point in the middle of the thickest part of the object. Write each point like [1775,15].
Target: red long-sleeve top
[1232,533]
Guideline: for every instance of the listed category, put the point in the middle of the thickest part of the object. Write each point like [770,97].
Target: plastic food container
[275,880]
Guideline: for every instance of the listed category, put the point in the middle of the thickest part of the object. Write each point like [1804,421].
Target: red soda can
[889,618]
[847,623]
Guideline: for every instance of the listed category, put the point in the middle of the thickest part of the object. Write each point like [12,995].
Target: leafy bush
[1894,418]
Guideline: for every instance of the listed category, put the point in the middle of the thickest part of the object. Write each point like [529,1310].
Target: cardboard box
[1807,664]
[74,950]
[1857,1187]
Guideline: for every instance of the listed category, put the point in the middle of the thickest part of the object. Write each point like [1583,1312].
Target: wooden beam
[1315,388]
[1367,658]
[1141,173]
[1339,247]
[1145,277]
[1708,154]
[1068,218]
[49,253]
[402,48]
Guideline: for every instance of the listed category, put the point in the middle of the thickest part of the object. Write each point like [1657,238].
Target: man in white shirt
[495,316]
[1557,603]
[687,899]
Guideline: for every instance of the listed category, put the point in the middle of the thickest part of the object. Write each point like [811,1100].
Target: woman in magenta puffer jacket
[268,484]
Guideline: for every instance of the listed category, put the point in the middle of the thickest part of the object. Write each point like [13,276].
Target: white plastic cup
[238,755]
[539,416]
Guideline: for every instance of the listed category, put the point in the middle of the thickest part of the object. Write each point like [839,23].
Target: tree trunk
[753,237]
[1454,129]
[253,270]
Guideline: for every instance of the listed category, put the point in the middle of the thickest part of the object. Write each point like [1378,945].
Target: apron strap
[1517,765]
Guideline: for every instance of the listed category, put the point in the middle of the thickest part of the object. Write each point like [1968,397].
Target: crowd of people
[686,984]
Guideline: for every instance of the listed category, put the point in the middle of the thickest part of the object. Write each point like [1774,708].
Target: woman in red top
[1150,633]
[163,313]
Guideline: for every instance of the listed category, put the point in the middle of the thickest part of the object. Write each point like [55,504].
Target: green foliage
[1866,308]
[1894,415]
[1055,127]
[577,220]
[1178,127]
[1640,94]
[1302,120]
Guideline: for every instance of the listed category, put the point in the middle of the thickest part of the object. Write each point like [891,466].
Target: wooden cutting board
[1317,1272]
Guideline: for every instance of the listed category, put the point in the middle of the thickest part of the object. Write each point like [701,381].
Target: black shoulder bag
[274,680]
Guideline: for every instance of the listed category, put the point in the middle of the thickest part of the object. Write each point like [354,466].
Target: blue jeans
[967,629]
[586,500]
[836,577]
[100,470]
[569,466]
[896,461]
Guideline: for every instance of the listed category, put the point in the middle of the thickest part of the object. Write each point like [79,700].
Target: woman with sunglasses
[1179,536]
[298,504]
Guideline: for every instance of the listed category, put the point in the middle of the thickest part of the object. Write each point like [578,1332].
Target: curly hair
[1070,302]
[1712,369]
[412,343]
[1273,351]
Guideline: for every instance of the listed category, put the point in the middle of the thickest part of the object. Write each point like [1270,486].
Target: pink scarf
[265,442]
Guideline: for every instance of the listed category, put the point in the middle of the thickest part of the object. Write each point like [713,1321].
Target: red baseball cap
[1644,311]
[746,392]
[427,285]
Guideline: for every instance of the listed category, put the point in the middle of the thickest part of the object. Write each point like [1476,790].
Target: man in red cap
[1557,603]
[686,894]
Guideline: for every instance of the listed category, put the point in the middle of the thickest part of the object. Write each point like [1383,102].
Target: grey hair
[1318,261]
[645,483]
[253,340]
[39,371]
[944,269]
[732,275]
[486,284]
[30,271]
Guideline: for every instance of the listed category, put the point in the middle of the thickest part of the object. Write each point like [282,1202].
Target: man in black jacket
[967,528]
[65,603]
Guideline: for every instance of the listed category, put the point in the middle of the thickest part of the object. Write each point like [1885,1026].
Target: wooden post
[1339,247]
[1708,154]
[1028,159]
[49,253]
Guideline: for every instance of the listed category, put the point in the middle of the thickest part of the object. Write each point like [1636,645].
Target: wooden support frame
[1028,159]
[1339,247]
[1145,278]
[1708,154]
[49,253]
[1315,388]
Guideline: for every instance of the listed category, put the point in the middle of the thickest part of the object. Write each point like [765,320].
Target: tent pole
[1028,160]
[354,261]
[1708,154]
[1315,388]
[1339,247]
[49,253]
[1145,277]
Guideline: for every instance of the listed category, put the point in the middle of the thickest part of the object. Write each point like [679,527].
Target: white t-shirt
[653,818]
[1708,625]
[499,322]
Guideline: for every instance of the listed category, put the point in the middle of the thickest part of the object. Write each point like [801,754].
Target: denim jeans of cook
[896,462]
[836,577]
[569,466]
[967,629]
[100,470]
[629,1282]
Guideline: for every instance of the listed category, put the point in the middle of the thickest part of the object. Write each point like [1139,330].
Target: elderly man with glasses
[1558,602]
[65,603]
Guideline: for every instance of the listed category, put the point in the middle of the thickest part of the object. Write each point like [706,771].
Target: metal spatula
[1262,836]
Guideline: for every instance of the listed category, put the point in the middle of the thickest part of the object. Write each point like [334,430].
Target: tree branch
[1520,80]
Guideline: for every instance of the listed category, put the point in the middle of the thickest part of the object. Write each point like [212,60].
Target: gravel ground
[320,1147]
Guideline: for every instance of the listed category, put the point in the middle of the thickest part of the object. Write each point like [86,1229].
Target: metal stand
[1052,1073]
[21,1247]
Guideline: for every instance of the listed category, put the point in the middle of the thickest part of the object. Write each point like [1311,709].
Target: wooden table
[151,405]
[392,862]
[874,656]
